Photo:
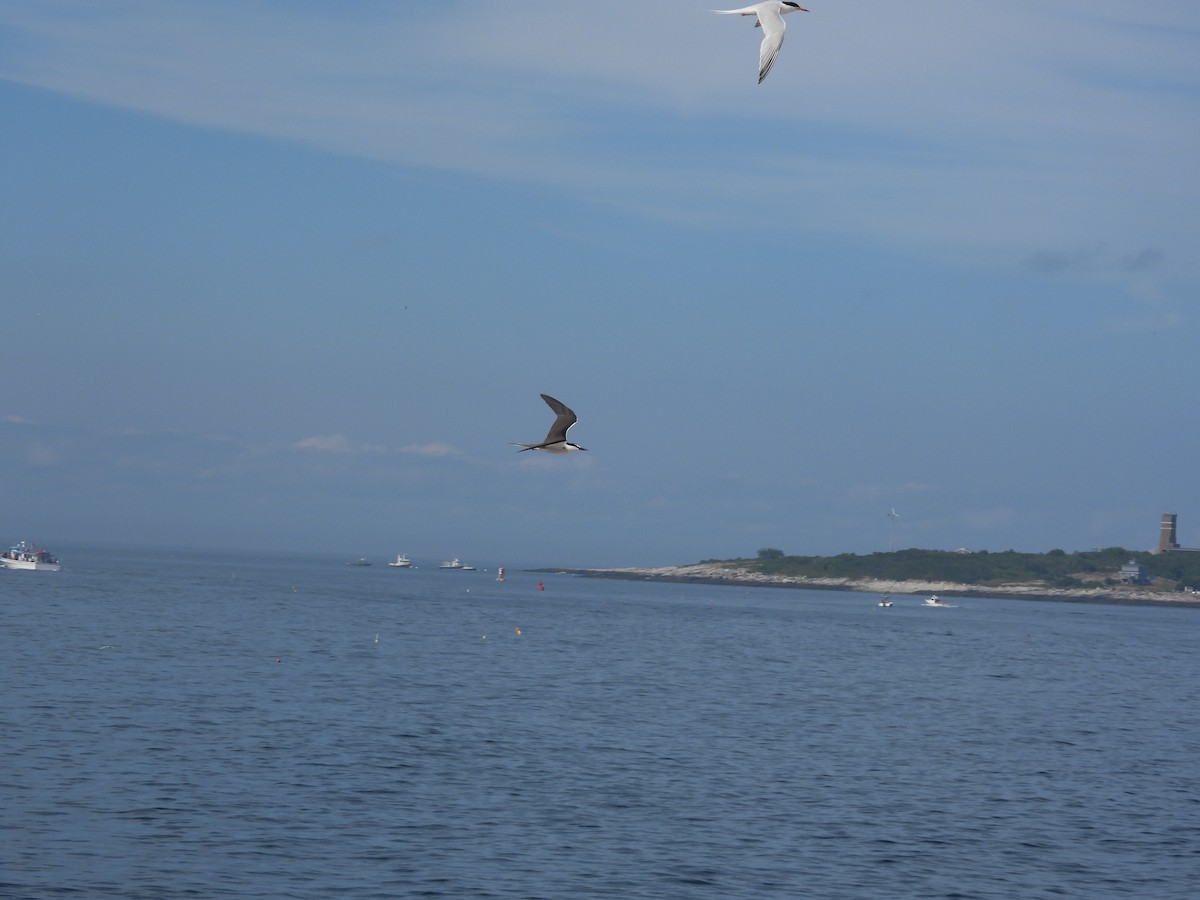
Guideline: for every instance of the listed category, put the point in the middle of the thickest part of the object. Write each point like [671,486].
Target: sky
[291,276]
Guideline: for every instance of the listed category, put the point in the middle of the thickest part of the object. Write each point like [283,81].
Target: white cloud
[541,461]
[17,420]
[335,443]
[434,449]
[1001,128]
[41,455]
[130,431]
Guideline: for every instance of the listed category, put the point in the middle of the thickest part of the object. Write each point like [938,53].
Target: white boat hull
[31,566]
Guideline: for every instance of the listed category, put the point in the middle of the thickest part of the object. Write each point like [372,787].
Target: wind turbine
[892,517]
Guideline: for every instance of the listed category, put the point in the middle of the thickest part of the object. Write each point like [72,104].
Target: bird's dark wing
[566,418]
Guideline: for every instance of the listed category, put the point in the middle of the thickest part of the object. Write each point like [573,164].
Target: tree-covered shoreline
[1056,568]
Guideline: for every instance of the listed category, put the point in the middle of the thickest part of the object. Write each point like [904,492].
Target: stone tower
[1166,533]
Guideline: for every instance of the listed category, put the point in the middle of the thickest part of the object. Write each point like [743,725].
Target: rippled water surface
[208,726]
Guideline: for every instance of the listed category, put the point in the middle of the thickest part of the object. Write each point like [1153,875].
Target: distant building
[1133,573]
[1166,533]
[1168,541]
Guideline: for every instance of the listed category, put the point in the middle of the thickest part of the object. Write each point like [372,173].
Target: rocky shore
[711,573]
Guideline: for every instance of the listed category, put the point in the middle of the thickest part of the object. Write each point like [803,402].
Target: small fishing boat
[885,601]
[401,562]
[936,602]
[26,556]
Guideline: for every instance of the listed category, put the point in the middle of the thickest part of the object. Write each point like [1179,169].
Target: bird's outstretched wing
[773,28]
[566,418]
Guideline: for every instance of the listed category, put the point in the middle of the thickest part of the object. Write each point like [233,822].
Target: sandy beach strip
[712,573]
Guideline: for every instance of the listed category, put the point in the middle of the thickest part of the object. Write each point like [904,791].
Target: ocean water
[189,725]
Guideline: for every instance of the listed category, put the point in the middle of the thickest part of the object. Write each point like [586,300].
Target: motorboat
[885,601]
[936,602]
[401,562]
[451,564]
[26,556]
[361,561]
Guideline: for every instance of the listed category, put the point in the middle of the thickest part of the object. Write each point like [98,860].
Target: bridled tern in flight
[770,17]
[556,441]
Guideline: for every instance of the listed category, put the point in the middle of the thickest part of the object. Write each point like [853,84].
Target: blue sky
[292,275]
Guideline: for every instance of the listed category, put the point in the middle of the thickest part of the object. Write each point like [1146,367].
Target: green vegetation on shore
[1057,568]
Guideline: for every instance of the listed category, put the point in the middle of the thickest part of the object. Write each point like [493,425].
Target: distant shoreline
[707,573]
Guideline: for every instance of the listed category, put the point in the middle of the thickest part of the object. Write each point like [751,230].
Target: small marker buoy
[277,659]
[518,631]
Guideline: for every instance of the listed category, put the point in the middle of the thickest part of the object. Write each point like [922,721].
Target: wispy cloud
[17,420]
[541,461]
[1143,260]
[433,449]
[42,455]
[986,125]
[1096,259]
[335,443]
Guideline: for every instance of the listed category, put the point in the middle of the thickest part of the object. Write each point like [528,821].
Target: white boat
[26,556]
[401,562]
[451,564]
[936,602]
[361,561]
[500,574]
[885,601]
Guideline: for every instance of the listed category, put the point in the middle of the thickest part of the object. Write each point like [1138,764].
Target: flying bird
[770,17]
[556,440]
